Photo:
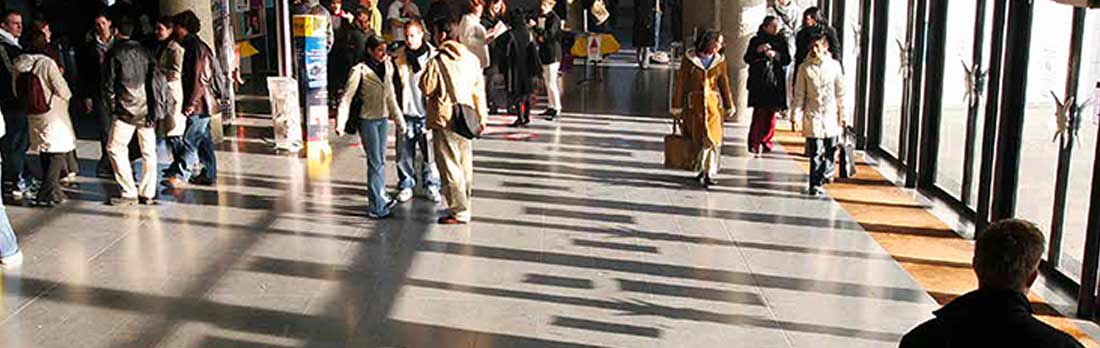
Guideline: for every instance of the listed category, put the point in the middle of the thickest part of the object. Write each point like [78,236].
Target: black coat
[802,44]
[7,89]
[987,318]
[521,64]
[644,23]
[550,33]
[768,76]
[348,48]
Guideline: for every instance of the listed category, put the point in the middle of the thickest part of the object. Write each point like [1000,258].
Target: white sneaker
[433,195]
[405,195]
[13,261]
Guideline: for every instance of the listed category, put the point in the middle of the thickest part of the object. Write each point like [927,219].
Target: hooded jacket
[819,97]
[703,94]
[987,318]
[452,77]
[51,132]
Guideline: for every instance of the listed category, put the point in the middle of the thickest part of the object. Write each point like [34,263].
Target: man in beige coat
[453,77]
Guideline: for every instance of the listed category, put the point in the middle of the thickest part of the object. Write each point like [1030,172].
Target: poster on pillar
[310,46]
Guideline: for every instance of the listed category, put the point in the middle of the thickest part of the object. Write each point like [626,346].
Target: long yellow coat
[702,94]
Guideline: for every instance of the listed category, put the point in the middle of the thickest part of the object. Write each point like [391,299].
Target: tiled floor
[580,239]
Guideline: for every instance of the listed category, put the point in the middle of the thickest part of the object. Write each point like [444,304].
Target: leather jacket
[197,76]
[125,82]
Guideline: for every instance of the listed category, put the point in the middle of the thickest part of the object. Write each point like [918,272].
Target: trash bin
[286,113]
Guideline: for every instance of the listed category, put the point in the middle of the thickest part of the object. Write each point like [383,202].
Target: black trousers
[14,147]
[822,154]
[52,165]
[103,120]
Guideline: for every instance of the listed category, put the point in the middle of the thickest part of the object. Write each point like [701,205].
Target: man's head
[819,43]
[12,23]
[186,22]
[811,17]
[164,28]
[547,6]
[102,25]
[442,30]
[1007,254]
[336,5]
[124,29]
[362,20]
[414,34]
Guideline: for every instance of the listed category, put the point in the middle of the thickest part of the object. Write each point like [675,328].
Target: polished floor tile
[580,239]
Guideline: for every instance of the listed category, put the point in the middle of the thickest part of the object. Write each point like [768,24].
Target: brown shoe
[450,220]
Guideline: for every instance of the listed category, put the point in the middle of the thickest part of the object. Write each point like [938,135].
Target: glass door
[895,92]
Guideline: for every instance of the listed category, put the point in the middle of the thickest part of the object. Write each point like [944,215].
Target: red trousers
[762,129]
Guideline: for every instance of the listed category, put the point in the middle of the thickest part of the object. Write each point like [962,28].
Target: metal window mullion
[1065,153]
[1013,107]
[972,111]
[933,92]
[989,133]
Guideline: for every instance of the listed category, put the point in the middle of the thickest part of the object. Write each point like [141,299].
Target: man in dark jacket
[198,104]
[127,72]
[91,61]
[813,21]
[16,141]
[998,314]
[348,48]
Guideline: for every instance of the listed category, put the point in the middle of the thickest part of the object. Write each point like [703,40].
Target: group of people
[465,61]
[702,97]
[157,89]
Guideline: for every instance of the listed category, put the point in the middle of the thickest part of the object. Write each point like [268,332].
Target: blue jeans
[197,145]
[14,147]
[8,245]
[373,134]
[417,136]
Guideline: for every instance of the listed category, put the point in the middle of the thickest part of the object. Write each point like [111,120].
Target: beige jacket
[376,93]
[453,76]
[51,132]
[819,97]
[471,33]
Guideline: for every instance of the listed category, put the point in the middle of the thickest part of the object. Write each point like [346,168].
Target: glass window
[893,83]
[851,54]
[1046,73]
[1084,153]
[955,112]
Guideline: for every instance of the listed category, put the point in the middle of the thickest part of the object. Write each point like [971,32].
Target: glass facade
[894,82]
[955,112]
[1083,158]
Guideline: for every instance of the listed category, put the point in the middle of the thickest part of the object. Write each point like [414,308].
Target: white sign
[594,48]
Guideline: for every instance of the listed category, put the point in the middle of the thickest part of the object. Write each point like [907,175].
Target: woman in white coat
[51,133]
[818,99]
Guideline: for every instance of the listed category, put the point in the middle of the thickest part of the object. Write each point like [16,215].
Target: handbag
[464,118]
[847,158]
[354,121]
[678,148]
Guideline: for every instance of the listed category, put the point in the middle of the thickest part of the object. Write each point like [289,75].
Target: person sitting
[998,314]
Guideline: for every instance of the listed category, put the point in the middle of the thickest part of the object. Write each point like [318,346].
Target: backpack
[32,94]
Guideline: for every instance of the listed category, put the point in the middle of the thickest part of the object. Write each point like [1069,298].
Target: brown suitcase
[679,152]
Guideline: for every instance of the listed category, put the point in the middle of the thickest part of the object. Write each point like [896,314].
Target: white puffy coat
[51,132]
[819,96]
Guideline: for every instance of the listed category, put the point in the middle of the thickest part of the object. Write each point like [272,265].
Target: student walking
[768,58]
[41,86]
[520,65]
[126,77]
[548,35]
[410,63]
[818,100]
[372,82]
[198,105]
[168,55]
[702,99]
[453,77]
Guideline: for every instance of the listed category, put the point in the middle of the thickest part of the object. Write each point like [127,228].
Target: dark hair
[815,13]
[188,20]
[767,20]
[373,42]
[124,27]
[1007,252]
[36,43]
[817,34]
[167,21]
[40,24]
[706,39]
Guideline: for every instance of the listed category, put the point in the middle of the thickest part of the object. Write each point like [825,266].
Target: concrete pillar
[740,19]
[202,9]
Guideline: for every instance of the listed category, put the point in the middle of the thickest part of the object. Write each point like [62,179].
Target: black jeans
[52,165]
[14,146]
[103,120]
[822,154]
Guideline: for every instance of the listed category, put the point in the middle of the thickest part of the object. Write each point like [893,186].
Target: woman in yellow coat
[702,99]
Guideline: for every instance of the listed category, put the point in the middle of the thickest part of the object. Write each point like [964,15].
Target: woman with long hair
[702,99]
[496,14]
[768,57]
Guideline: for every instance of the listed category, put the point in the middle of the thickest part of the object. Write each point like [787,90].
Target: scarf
[707,59]
[413,56]
[377,67]
[9,38]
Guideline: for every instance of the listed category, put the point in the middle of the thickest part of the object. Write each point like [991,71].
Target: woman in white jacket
[51,133]
[818,100]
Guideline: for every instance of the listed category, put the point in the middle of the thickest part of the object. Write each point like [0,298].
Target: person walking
[410,63]
[51,129]
[92,59]
[520,66]
[198,105]
[647,29]
[372,82]
[168,55]
[126,77]
[702,99]
[453,77]
[548,35]
[818,101]
[15,142]
[812,23]
[768,58]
